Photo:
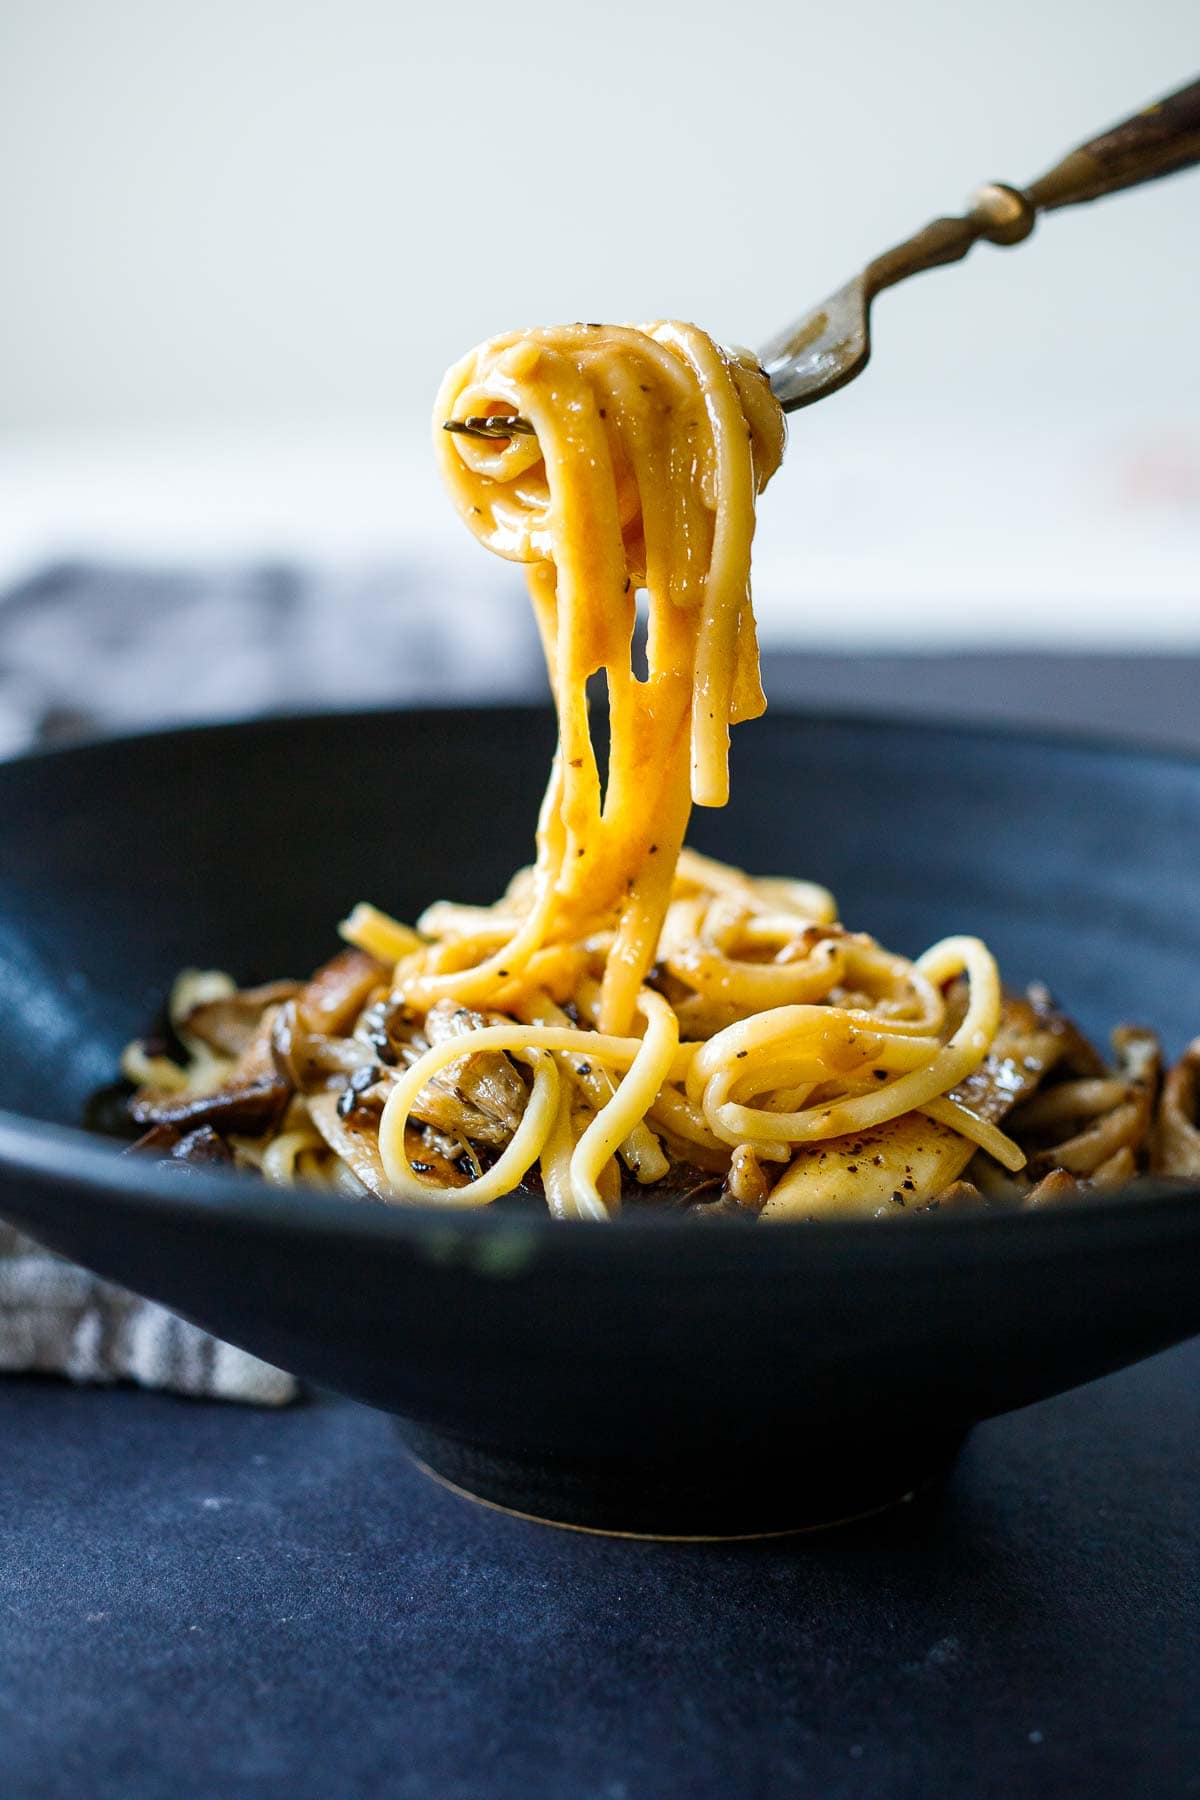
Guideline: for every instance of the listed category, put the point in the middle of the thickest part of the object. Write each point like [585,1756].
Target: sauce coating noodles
[768,1027]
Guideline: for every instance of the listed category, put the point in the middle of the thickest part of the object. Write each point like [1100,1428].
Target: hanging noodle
[630,1016]
[649,448]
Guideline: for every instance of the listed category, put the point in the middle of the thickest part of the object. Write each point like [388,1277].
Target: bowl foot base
[714,1496]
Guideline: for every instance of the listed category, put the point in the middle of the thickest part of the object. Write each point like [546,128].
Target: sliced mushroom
[389,1026]
[331,1002]
[1117,1170]
[871,1174]
[959,1197]
[250,1099]
[1032,1039]
[486,1079]
[684,1188]
[742,1195]
[748,1183]
[1058,1188]
[229,1023]
[251,1106]
[1176,1143]
[1081,1125]
[356,1141]
[203,1145]
[306,1059]
[311,1038]
[160,1140]
[438,1106]
[479,1096]
[1079,1055]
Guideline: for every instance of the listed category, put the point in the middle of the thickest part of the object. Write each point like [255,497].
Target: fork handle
[1159,141]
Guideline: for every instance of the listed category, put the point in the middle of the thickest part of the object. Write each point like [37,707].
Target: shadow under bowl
[657,1376]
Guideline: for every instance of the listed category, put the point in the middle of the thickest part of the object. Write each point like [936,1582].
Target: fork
[830,345]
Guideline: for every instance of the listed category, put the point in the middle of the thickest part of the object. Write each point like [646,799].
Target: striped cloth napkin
[87,649]
[56,1319]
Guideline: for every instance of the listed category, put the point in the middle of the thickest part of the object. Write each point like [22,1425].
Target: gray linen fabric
[88,649]
[56,1319]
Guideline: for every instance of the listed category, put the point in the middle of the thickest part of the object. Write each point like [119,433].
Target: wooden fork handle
[1160,140]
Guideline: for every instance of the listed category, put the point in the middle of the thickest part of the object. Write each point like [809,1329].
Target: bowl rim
[70,1156]
[66,1157]
[1071,738]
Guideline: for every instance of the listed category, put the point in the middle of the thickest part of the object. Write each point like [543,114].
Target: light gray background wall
[269,209]
[282,219]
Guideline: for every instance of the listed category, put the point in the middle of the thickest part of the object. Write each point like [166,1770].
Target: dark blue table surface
[201,1600]
[198,1600]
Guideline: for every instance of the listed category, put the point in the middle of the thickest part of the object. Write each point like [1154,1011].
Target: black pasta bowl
[655,1376]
